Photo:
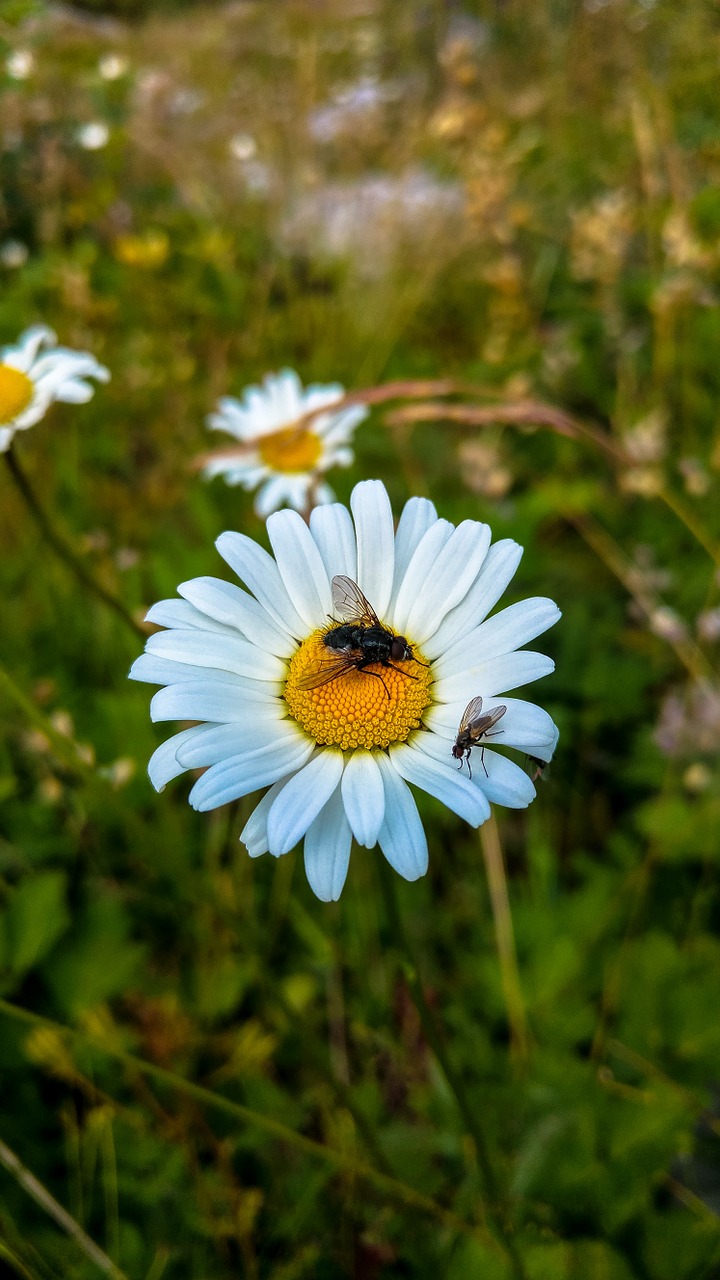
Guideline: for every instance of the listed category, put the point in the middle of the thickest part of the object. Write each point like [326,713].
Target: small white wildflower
[243,146]
[13,254]
[112,66]
[20,64]
[93,136]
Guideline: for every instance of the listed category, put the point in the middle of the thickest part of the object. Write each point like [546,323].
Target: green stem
[467,1112]
[55,1210]
[393,1188]
[687,516]
[65,748]
[63,548]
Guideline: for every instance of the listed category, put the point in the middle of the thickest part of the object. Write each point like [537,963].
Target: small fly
[359,641]
[474,726]
[538,767]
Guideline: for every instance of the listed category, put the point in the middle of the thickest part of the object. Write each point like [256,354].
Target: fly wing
[488,719]
[473,711]
[326,670]
[350,603]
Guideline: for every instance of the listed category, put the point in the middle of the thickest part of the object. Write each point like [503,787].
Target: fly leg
[361,667]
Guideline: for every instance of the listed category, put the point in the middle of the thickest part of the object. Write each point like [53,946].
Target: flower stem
[63,548]
[687,516]
[42,1197]
[429,1025]
[505,940]
[65,748]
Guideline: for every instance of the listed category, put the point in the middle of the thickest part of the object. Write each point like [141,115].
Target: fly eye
[400,649]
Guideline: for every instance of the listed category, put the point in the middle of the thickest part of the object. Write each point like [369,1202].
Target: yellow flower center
[356,709]
[16,392]
[291,449]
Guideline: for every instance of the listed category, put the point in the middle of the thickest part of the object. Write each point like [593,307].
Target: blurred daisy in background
[337,746]
[276,453]
[112,66]
[35,372]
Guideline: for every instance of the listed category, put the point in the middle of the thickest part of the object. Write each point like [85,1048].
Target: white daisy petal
[179,613]
[327,850]
[452,574]
[277,491]
[239,775]
[504,782]
[234,608]
[419,572]
[440,780]
[246,471]
[402,836]
[503,633]
[260,573]
[319,393]
[25,353]
[375,535]
[223,653]
[498,569]
[163,765]
[364,797]
[153,670]
[301,567]
[332,529]
[210,699]
[323,493]
[254,833]
[229,417]
[241,737]
[418,515]
[339,428]
[302,799]
[509,671]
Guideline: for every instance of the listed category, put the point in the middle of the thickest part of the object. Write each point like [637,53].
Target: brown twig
[531,413]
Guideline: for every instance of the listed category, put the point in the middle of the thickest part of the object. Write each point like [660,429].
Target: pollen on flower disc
[290,449]
[356,709]
[16,392]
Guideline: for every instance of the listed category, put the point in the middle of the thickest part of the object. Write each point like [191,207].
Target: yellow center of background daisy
[356,709]
[16,392]
[290,450]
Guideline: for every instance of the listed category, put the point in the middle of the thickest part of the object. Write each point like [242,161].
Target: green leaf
[98,961]
[37,916]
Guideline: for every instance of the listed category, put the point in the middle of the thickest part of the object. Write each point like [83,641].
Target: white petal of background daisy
[338,746]
[282,461]
[35,372]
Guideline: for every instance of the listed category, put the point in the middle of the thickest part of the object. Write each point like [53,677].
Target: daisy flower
[31,378]
[341,754]
[282,460]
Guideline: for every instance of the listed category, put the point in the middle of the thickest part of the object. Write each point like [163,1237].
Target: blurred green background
[523,196]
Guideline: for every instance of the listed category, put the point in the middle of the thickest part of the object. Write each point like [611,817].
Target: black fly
[359,641]
[474,726]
